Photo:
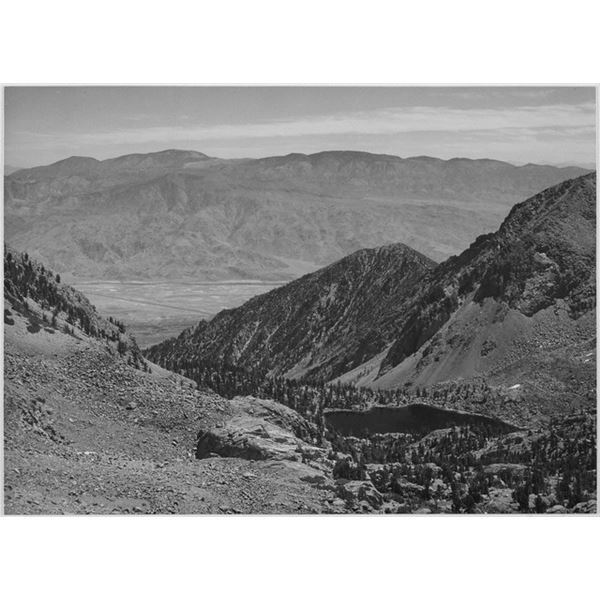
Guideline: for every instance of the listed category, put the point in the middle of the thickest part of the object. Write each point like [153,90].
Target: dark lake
[413,418]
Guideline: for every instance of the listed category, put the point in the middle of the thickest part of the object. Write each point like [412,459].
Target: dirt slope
[87,433]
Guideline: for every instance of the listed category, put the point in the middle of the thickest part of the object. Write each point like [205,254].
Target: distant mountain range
[9,169]
[517,304]
[584,165]
[183,215]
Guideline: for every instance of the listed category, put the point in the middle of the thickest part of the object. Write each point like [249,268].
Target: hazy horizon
[591,165]
[519,125]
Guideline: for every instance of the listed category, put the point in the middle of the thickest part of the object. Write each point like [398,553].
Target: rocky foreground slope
[180,214]
[85,432]
[90,427]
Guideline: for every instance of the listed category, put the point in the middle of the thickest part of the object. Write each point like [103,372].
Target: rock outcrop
[257,429]
[359,493]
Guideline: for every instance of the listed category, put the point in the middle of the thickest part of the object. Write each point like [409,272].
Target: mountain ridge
[314,325]
[184,215]
[523,295]
[314,155]
[525,292]
[40,297]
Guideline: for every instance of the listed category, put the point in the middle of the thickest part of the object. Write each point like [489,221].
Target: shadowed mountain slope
[320,325]
[538,271]
[517,307]
[183,215]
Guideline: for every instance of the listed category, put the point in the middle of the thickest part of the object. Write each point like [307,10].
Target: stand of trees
[554,465]
[311,398]
[25,280]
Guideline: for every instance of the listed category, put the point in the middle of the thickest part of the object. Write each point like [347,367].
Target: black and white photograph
[298,299]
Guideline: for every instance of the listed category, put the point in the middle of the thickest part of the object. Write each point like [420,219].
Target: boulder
[500,502]
[439,487]
[356,492]
[501,468]
[345,468]
[378,475]
[424,510]
[258,429]
[406,489]
[586,507]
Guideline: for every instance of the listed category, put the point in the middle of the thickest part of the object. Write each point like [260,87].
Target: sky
[548,125]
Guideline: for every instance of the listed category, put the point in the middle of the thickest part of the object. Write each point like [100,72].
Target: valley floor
[156,310]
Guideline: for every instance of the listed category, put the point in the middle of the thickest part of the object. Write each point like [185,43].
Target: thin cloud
[387,121]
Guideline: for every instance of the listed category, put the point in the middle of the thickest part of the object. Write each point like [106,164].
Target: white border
[380,42]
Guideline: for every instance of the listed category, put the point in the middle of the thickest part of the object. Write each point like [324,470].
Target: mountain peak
[319,325]
[75,160]
[164,158]
[542,256]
